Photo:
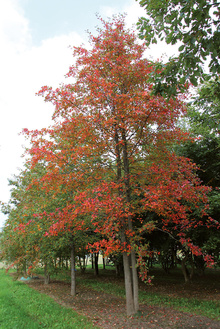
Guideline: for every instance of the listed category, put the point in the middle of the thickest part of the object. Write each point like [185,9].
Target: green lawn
[24,308]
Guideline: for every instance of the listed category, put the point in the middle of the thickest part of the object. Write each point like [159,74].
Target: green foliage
[195,24]
[204,126]
[22,307]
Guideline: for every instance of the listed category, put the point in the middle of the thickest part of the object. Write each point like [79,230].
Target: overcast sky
[35,36]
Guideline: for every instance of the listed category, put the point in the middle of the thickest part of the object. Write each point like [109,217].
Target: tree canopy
[108,159]
[194,25]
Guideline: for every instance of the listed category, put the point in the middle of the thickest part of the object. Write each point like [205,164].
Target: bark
[103,262]
[46,275]
[135,281]
[82,264]
[92,260]
[96,265]
[130,226]
[129,262]
[130,308]
[73,271]
[185,271]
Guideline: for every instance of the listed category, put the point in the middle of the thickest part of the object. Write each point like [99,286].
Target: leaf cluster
[192,24]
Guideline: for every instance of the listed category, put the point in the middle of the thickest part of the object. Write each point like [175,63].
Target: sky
[35,39]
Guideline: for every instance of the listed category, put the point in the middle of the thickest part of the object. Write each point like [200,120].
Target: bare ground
[108,311]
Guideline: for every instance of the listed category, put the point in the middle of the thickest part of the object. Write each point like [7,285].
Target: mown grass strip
[23,307]
[211,309]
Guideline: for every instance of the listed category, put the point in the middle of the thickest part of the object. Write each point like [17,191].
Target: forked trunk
[129,261]
[130,226]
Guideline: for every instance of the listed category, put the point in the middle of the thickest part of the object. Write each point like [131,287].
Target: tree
[111,148]
[203,124]
[195,24]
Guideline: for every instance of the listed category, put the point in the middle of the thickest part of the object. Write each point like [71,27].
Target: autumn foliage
[109,159]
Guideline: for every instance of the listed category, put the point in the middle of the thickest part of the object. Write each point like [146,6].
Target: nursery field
[100,302]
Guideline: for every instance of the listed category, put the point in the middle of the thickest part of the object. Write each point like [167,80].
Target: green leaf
[181,48]
[193,80]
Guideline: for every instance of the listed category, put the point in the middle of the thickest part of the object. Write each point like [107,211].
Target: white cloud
[24,69]
[14,30]
[133,11]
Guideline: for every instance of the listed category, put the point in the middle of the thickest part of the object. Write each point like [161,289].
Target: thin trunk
[46,275]
[25,268]
[73,271]
[103,262]
[185,271]
[80,263]
[129,262]
[92,260]
[127,272]
[60,262]
[84,263]
[135,280]
[67,264]
[96,260]
[130,226]
[130,308]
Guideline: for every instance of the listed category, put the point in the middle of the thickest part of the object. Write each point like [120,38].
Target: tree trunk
[185,271]
[134,281]
[130,308]
[96,265]
[46,275]
[25,268]
[73,271]
[130,226]
[103,262]
[129,261]
[92,261]
[84,263]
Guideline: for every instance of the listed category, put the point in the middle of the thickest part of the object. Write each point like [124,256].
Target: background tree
[203,124]
[193,24]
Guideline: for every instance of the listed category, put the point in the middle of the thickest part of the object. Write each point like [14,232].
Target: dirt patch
[108,311]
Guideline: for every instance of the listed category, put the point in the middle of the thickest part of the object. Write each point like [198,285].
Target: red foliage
[111,147]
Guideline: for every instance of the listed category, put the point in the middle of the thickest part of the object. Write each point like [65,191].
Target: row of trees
[111,174]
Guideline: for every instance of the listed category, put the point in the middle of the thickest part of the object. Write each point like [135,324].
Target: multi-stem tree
[111,146]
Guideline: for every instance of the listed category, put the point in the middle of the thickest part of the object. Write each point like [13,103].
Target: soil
[108,311]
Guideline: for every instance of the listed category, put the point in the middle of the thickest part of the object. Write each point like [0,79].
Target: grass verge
[23,307]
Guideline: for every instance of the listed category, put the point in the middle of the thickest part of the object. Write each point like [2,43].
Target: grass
[208,308]
[211,309]
[107,283]
[23,307]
